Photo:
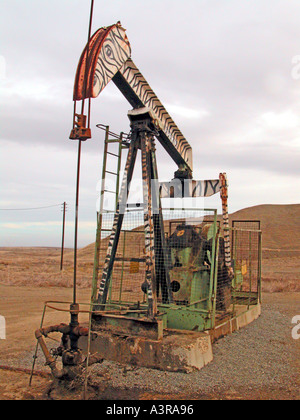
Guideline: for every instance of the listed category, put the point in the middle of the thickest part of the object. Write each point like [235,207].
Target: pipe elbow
[81,331]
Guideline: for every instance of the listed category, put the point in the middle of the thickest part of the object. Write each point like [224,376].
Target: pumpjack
[173,265]
[107,58]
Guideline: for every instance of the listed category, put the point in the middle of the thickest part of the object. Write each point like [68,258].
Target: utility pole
[63,235]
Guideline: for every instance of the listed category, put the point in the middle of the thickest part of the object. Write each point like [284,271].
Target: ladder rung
[112,173]
[113,154]
[109,191]
[126,259]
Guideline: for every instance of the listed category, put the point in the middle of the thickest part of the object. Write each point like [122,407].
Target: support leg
[149,231]
[224,198]
[161,254]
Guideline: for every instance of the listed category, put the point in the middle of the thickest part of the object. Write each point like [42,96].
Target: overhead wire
[33,208]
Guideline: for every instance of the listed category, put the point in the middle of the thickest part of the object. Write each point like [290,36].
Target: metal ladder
[122,141]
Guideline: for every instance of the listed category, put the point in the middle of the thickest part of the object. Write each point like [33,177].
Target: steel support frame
[143,130]
[195,317]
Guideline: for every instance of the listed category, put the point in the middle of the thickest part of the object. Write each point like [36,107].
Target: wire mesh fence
[190,244]
[189,266]
[246,255]
[239,285]
[177,239]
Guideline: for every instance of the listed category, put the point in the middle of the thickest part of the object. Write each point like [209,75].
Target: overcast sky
[226,70]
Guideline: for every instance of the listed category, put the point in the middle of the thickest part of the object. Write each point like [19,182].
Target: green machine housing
[190,249]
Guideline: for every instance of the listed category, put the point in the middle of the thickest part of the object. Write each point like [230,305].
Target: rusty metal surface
[71,356]
[109,59]
[125,325]
[109,48]
[178,351]
[80,130]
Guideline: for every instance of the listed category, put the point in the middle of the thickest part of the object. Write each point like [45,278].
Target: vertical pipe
[74,113]
[89,114]
[79,155]
[63,236]
[76,221]
[87,62]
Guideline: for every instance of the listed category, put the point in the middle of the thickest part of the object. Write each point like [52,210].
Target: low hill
[279,224]
[280,266]
[281,244]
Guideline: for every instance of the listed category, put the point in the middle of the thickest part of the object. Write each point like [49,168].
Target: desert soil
[260,361]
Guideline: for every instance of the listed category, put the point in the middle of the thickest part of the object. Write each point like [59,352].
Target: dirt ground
[268,367]
[22,308]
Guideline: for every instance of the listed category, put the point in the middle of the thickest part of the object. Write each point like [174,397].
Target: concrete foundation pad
[243,317]
[177,351]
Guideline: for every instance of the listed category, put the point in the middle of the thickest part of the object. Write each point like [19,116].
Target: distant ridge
[280,224]
[280,266]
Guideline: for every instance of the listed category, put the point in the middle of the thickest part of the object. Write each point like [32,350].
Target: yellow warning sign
[134,267]
[244,268]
